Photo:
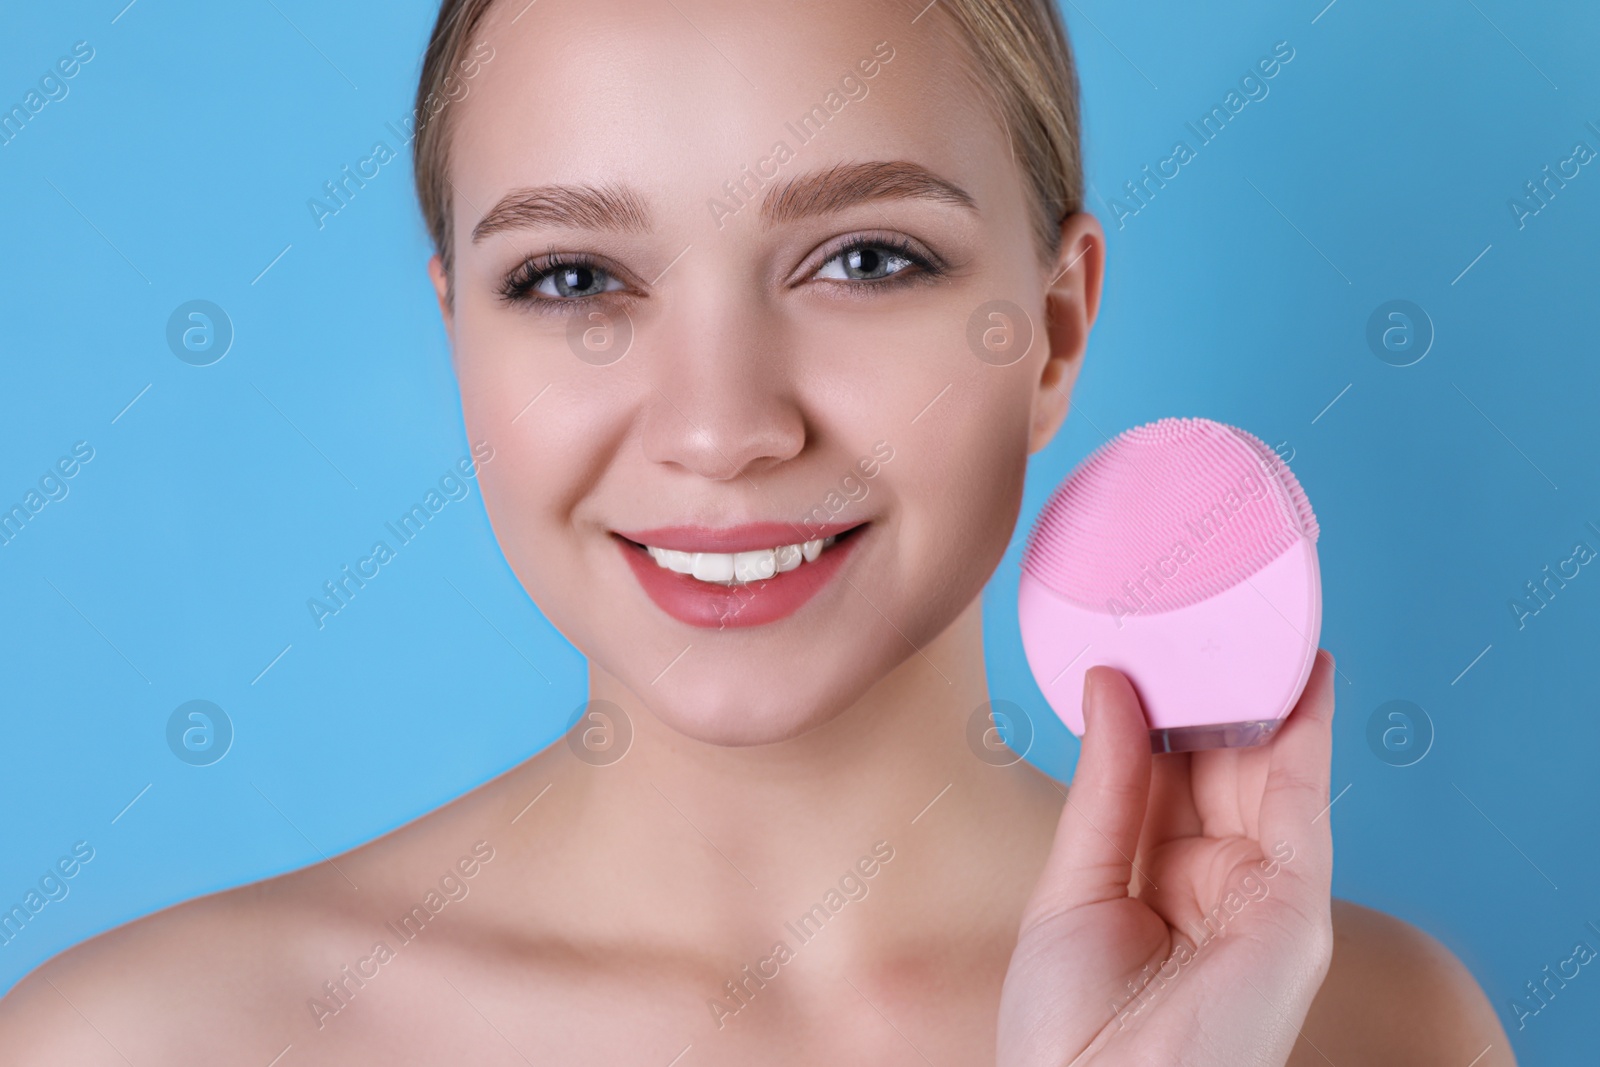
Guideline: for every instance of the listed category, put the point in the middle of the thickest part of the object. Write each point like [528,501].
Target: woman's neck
[718,846]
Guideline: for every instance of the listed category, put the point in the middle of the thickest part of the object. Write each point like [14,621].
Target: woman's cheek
[978,465]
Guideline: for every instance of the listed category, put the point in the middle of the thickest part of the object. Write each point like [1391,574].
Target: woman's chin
[735,723]
[730,708]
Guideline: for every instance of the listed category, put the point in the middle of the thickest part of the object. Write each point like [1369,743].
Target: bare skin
[594,912]
[605,922]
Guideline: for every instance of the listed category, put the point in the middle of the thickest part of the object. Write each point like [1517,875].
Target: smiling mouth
[743,584]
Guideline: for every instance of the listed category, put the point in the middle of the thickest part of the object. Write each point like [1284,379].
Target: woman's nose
[724,403]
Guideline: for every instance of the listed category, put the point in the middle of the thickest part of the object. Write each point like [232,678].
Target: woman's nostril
[722,439]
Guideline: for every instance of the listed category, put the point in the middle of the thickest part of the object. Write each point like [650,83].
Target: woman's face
[723,283]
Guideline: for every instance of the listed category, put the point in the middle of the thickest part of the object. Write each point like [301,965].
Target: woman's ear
[1072,299]
[441,289]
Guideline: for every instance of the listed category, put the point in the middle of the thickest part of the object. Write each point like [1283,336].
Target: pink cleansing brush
[1183,553]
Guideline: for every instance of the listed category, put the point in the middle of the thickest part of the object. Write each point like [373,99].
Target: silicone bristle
[1285,477]
[1167,515]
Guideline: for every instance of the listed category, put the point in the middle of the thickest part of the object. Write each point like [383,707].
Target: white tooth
[787,557]
[811,550]
[713,566]
[655,553]
[755,566]
[673,560]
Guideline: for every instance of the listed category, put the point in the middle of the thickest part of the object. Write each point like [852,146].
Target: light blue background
[179,565]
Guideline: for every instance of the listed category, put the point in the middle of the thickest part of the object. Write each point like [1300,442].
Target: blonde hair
[1022,60]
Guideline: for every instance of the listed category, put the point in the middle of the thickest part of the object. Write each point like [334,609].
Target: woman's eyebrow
[823,192]
[848,184]
[585,207]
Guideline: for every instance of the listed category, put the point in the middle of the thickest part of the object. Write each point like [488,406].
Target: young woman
[708,270]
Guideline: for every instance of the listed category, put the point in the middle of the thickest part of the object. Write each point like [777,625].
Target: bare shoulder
[1395,995]
[113,999]
[239,976]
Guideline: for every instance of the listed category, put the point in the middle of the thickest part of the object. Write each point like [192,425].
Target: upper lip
[746,537]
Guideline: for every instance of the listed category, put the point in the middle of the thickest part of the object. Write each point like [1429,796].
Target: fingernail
[1091,697]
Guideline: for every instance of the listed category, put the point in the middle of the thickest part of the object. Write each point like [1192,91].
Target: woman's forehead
[677,98]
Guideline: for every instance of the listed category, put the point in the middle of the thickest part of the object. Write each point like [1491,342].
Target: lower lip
[720,607]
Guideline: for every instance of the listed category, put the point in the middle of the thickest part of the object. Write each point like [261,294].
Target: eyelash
[520,285]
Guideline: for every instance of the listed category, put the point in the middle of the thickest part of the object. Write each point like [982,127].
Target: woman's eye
[865,263]
[569,282]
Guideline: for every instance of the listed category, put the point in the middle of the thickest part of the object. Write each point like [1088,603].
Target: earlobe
[1072,300]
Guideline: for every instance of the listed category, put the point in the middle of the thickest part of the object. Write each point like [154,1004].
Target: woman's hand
[1183,915]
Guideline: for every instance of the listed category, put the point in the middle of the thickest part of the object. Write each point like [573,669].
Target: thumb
[1092,857]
